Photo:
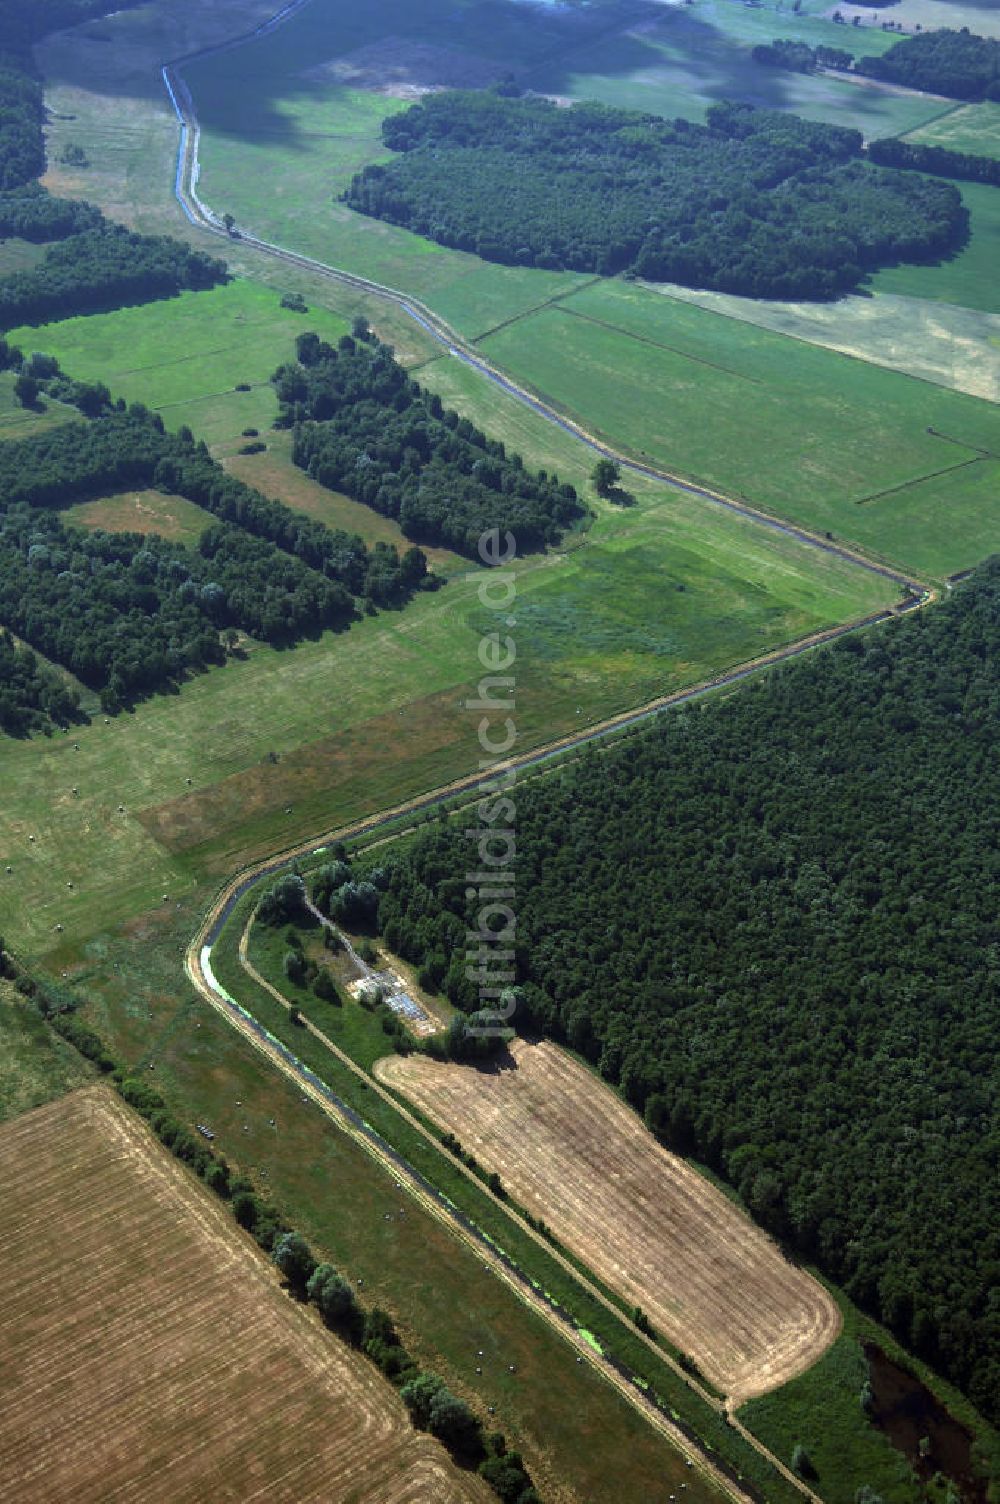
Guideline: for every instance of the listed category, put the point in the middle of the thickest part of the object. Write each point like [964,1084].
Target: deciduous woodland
[957,63]
[754,202]
[362,426]
[772,922]
[130,614]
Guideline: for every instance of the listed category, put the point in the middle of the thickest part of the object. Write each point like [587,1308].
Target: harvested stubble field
[150,1353]
[647,1224]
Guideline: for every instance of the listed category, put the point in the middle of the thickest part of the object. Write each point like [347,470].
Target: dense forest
[757,202]
[957,63]
[362,426]
[33,697]
[34,214]
[772,922]
[129,614]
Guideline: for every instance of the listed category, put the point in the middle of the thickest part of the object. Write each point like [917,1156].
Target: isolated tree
[334,1299]
[230,223]
[26,390]
[295,1259]
[325,988]
[606,475]
[294,967]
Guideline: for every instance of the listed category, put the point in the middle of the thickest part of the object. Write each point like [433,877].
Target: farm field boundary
[547,1127]
[199,970]
[194,1335]
[202,215]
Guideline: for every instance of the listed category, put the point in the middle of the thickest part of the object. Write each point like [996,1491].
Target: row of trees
[756,202]
[364,427]
[799,57]
[432,1406]
[130,614]
[771,922]
[909,155]
[130,448]
[957,63]
[98,269]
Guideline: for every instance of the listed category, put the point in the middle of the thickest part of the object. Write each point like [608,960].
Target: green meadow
[821,1411]
[35,1064]
[285,125]
[279,745]
[17,422]
[965,127]
[797,430]
[184,357]
[968,278]
[650,598]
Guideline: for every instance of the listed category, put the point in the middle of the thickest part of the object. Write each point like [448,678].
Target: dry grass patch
[169,517]
[274,473]
[150,1353]
[648,1225]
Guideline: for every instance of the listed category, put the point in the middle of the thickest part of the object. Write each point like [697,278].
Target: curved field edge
[820,1410]
[858,1440]
[576,1156]
[576,1304]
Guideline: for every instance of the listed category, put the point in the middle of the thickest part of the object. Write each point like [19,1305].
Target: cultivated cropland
[300,304]
[651,1227]
[148,1344]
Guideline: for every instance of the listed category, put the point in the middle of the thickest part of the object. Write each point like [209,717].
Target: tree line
[757,202]
[431,1404]
[957,63]
[126,447]
[798,57]
[771,922]
[913,157]
[90,264]
[34,214]
[131,614]
[33,697]
[364,427]
[104,268]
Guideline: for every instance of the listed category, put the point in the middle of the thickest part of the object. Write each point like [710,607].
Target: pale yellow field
[648,1225]
[150,1354]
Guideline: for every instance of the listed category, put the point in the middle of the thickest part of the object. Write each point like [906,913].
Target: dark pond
[907,1412]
